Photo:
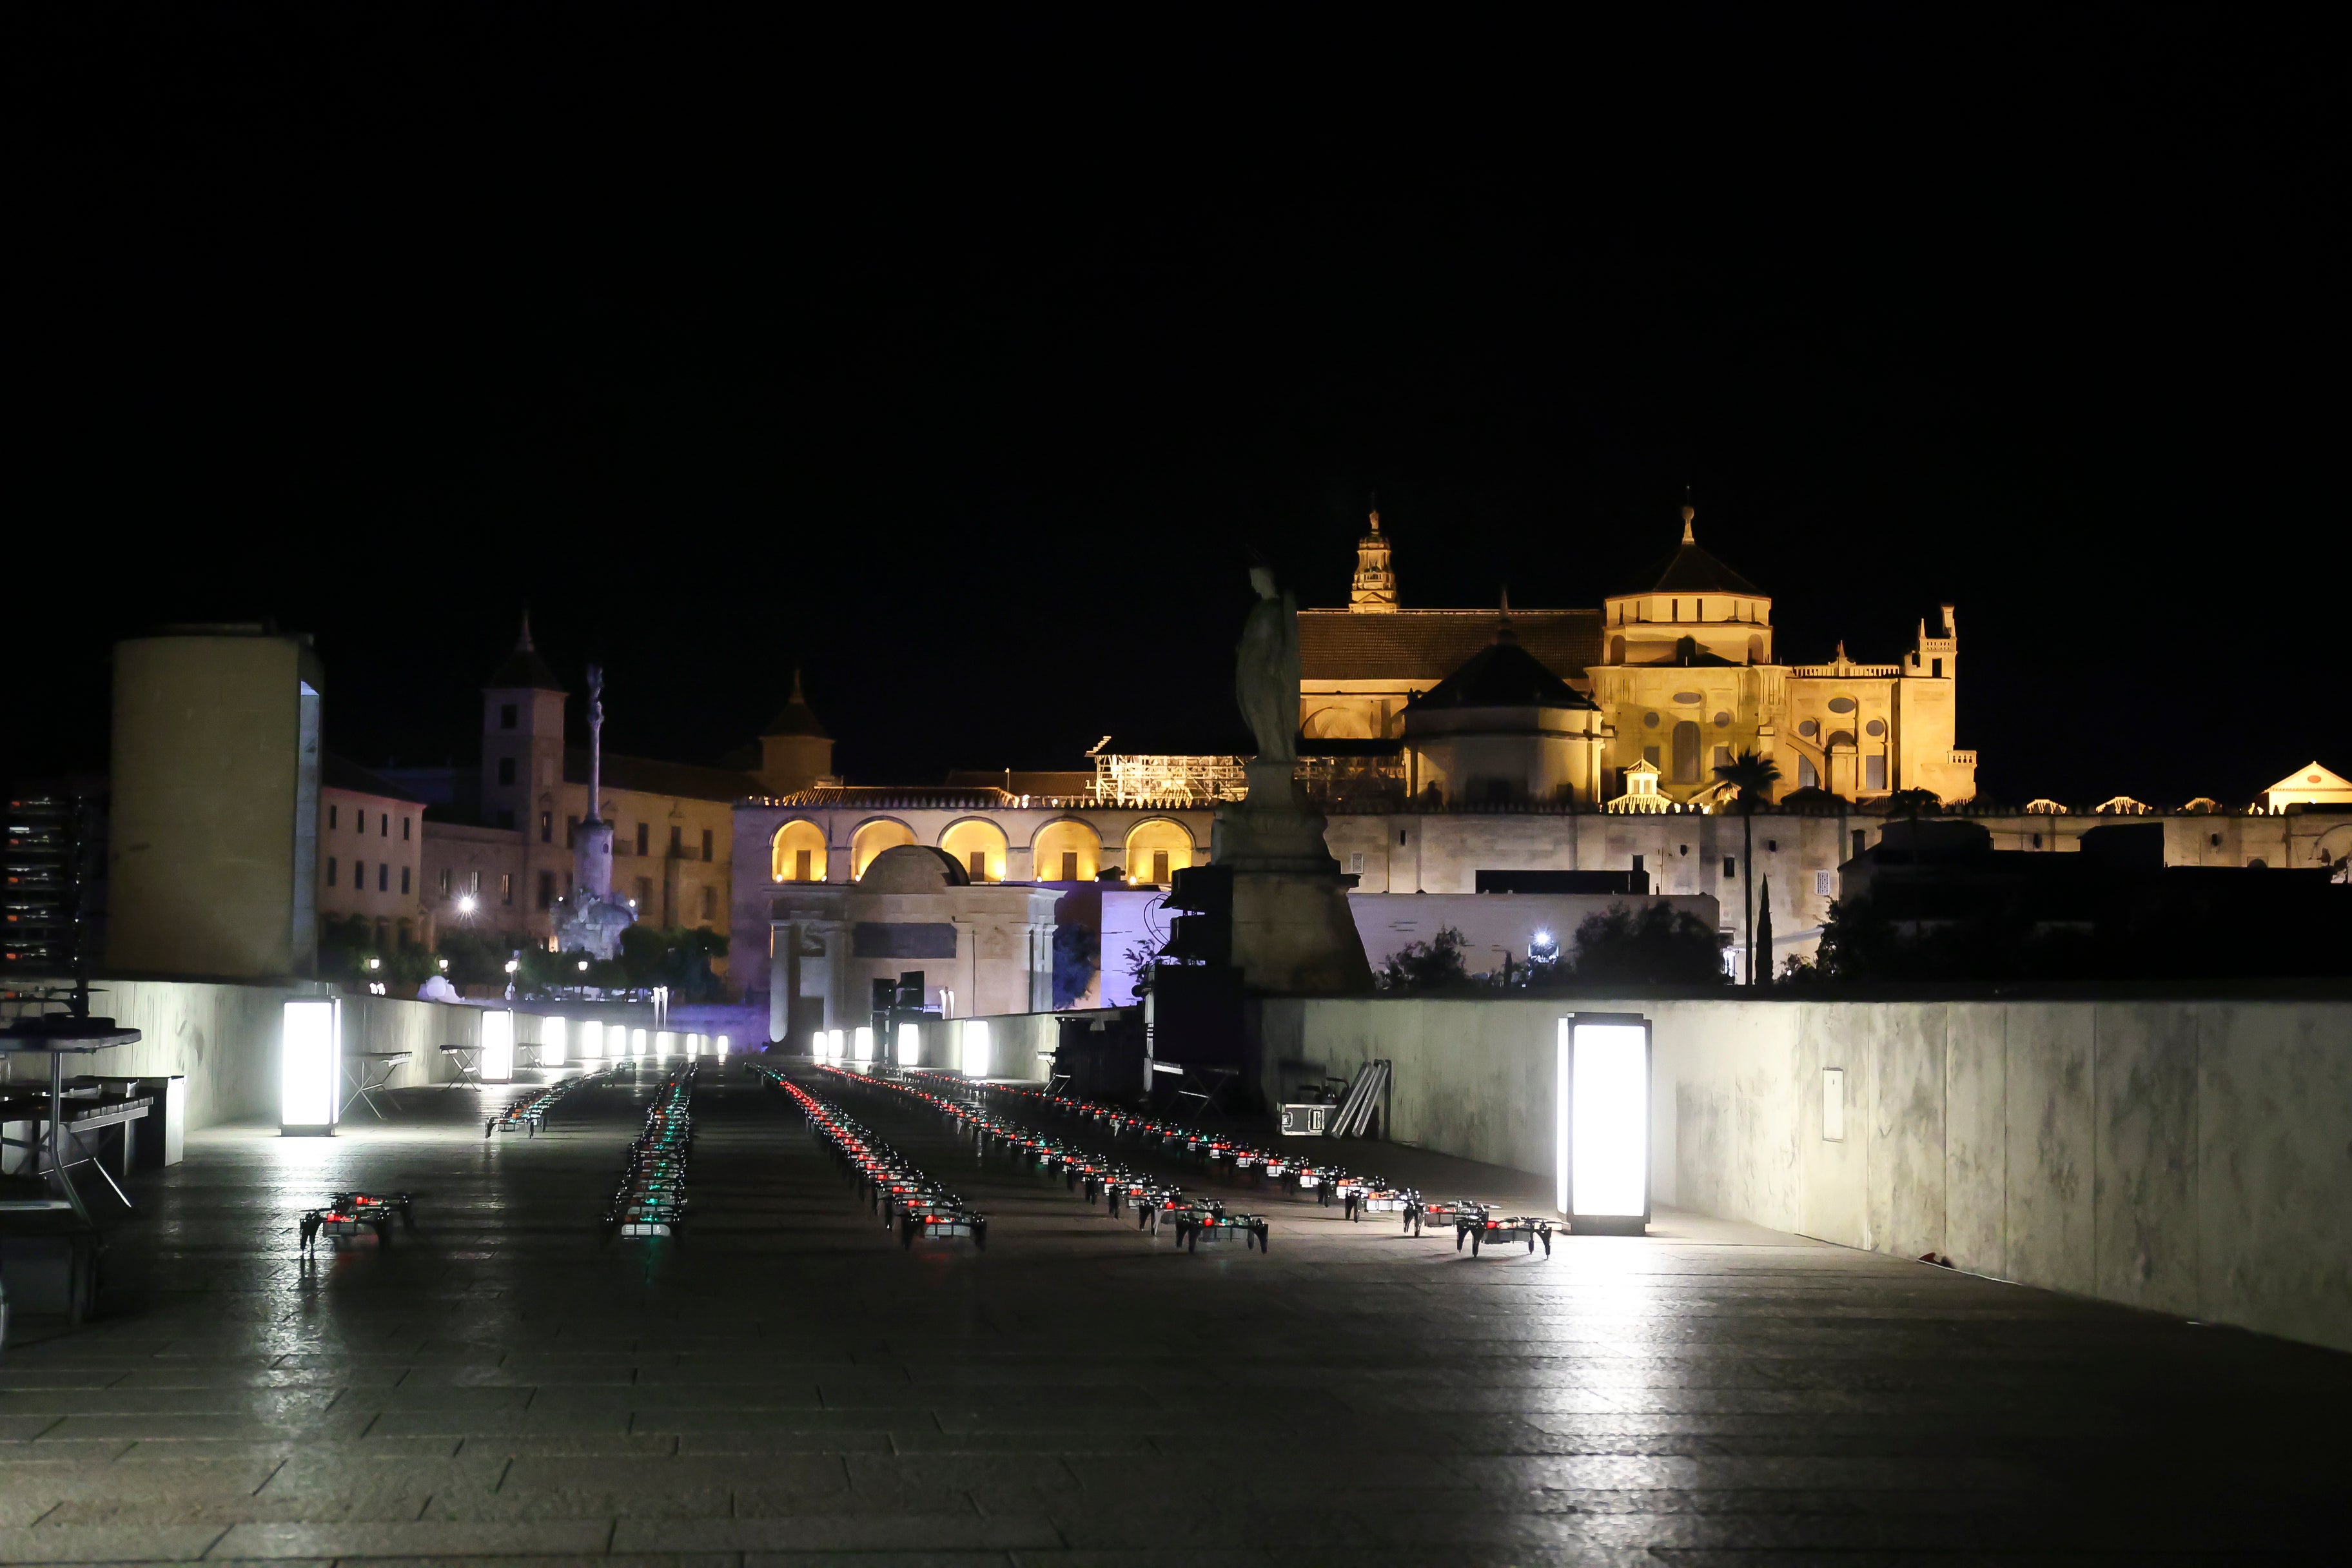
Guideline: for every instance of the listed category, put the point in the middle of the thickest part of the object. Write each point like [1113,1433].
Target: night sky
[965,369]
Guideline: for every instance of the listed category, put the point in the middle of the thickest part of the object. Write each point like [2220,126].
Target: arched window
[1066,851]
[872,839]
[1808,776]
[1687,746]
[1616,650]
[1156,850]
[798,853]
[978,845]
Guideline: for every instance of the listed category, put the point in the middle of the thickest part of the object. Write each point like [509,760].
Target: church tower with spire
[522,739]
[1374,590]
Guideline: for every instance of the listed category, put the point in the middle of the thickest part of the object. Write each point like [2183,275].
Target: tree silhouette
[1753,776]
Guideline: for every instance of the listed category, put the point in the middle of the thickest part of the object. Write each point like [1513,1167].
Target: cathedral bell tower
[1374,588]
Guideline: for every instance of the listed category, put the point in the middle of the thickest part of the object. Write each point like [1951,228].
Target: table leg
[58,1135]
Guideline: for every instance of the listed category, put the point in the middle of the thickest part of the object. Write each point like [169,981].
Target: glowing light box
[498,1048]
[636,1043]
[1602,1121]
[975,1048]
[592,1042]
[910,1045]
[550,1043]
[309,1065]
[664,1044]
[863,1044]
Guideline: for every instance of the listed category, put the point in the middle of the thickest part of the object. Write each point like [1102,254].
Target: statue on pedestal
[593,920]
[1292,929]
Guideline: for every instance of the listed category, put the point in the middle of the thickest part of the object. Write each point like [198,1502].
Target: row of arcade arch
[1066,850]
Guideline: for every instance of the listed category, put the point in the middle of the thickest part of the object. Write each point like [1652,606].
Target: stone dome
[912,868]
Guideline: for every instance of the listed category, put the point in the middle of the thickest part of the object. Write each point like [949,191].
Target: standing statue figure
[595,742]
[1265,670]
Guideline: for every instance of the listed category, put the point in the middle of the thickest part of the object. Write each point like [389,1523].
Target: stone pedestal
[1293,932]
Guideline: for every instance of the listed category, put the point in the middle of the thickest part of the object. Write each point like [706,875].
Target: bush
[1660,946]
[1431,965]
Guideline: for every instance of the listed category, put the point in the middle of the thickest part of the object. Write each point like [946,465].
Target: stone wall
[223,1038]
[2191,1156]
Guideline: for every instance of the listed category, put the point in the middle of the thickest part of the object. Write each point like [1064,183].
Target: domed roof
[1502,675]
[797,717]
[1690,569]
[912,868]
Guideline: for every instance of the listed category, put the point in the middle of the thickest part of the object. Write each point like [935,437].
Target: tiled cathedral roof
[1429,644]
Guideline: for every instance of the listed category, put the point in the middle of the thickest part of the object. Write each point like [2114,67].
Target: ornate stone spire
[1374,588]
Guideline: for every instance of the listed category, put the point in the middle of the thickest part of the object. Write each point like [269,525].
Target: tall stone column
[783,978]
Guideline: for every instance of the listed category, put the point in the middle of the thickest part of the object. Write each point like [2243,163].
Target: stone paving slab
[789,1385]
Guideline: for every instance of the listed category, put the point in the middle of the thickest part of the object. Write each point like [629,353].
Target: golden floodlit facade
[1681,673]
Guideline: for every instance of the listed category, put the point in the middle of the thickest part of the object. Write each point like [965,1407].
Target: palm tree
[1753,777]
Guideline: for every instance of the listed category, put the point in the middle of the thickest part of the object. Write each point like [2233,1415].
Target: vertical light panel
[636,1043]
[591,1042]
[718,1047]
[1608,1123]
[498,1048]
[864,1043]
[309,1064]
[975,1048]
[1560,1122]
[552,1052]
[664,1044]
[910,1045]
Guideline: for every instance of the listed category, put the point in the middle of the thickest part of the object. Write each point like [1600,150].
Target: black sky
[964,368]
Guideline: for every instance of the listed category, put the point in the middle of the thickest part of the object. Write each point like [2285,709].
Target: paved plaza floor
[786,1385]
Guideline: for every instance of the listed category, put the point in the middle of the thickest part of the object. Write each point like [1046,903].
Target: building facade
[1681,668]
[370,854]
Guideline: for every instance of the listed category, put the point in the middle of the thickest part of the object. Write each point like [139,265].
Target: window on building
[677,842]
[1722,757]
[1808,775]
[384,825]
[1731,865]
[2214,838]
[1939,669]
[547,889]
[404,827]
[571,832]
[508,716]
[331,815]
[976,863]
[474,882]
[706,844]
[547,827]
[1069,864]
[359,819]
[1685,752]
[2037,841]
[1159,866]
[359,876]
[1857,844]
[383,876]
[1401,837]
[1874,771]
[1772,846]
[803,868]
[1823,884]
[330,870]
[645,895]
[645,837]
[404,881]
[506,770]
[1637,865]
[445,881]
[1650,755]
[710,903]
[506,889]
[506,818]
[1356,863]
